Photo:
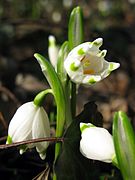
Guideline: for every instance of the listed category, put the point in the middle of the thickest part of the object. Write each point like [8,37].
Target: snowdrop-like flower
[29,122]
[53,50]
[96,143]
[86,64]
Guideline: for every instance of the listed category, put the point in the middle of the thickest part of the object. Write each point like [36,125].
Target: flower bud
[86,64]
[52,51]
[29,122]
[96,143]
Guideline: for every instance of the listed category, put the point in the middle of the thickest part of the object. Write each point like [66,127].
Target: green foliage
[63,52]
[58,92]
[124,141]
[75,28]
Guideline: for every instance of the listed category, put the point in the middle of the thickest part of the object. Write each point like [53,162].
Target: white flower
[96,143]
[86,64]
[29,122]
[53,50]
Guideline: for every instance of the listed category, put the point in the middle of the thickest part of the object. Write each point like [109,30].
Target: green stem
[73,99]
[68,106]
[38,100]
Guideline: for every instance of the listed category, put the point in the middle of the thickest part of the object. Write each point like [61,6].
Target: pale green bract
[29,122]
[85,64]
[96,143]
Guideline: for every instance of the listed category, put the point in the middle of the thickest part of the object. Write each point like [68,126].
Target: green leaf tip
[75,28]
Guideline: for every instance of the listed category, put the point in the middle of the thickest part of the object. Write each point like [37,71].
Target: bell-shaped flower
[96,143]
[29,122]
[86,64]
[53,50]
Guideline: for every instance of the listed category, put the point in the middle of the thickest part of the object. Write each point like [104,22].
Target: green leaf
[75,28]
[71,165]
[58,92]
[75,37]
[124,142]
[63,52]
[64,79]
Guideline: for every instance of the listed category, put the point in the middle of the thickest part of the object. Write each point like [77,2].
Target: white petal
[113,66]
[91,79]
[20,124]
[97,144]
[98,42]
[41,129]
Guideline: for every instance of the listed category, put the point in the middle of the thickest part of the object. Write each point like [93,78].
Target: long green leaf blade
[75,28]
[124,142]
[58,92]
[63,52]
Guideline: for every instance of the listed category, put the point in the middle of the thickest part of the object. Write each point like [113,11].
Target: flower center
[87,66]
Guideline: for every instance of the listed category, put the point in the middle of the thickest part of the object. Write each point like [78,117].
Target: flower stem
[73,99]
[38,100]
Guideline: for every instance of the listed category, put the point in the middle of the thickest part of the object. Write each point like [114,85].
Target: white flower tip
[113,66]
[98,42]
[89,80]
[21,151]
[42,156]
[102,53]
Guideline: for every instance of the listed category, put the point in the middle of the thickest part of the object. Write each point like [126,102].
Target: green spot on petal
[81,51]
[96,43]
[85,126]
[9,140]
[111,67]
[73,67]
[92,81]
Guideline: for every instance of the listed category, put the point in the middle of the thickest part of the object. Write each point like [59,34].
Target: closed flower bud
[96,143]
[52,51]
[29,122]
[86,64]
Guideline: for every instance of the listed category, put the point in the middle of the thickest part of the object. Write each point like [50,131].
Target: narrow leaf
[75,28]
[58,92]
[124,141]
[63,52]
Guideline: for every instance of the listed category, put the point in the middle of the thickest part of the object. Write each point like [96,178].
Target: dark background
[24,30]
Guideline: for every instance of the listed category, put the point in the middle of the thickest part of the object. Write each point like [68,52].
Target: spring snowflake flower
[29,122]
[86,64]
[96,143]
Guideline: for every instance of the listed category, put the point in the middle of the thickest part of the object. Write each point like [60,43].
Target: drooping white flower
[86,64]
[53,50]
[96,143]
[29,122]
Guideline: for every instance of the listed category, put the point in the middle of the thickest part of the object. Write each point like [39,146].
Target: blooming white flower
[96,143]
[86,64]
[29,122]
[53,50]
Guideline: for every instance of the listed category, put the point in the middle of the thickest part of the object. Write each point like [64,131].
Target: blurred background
[24,29]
